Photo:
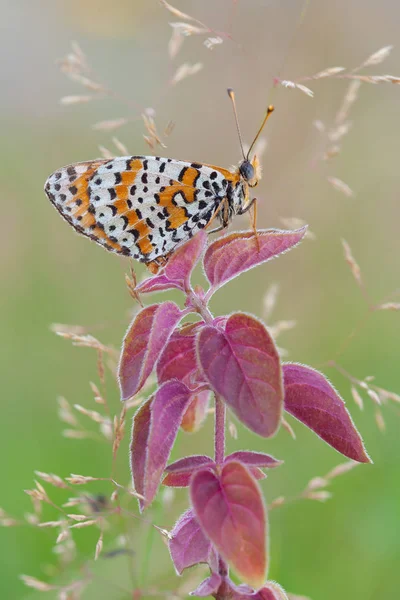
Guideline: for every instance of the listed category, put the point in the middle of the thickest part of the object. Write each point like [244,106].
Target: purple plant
[234,358]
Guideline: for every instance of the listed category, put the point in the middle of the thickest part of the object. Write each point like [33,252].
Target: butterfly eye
[246,170]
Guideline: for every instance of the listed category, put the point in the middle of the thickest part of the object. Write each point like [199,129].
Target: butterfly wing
[139,206]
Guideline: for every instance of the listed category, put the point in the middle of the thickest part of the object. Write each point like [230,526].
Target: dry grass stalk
[98,398]
[51,524]
[269,300]
[84,341]
[153,139]
[110,125]
[72,502]
[105,152]
[92,414]
[341,469]
[349,98]
[377,57]
[31,519]
[122,149]
[39,493]
[52,479]
[389,306]
[7,521]
[293,85]
[185,70]
[62,536]
[355,269]
[176,12]
[320,496]
[76,434]
[68,100]
[380,421]
[377,394]
[36,584]
[233,430]
[288,428]
[84,524]
[357,398]
[78,518]
[60,328]
[82,479]
[328,72]
[119,430]
[175,43]
[340,186]
[213,41]
[65,412]
[99,547]
[280,501]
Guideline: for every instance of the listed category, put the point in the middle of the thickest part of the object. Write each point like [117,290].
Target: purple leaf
[178,359]
[229,256]
[180,472]
[157,283]
[155,427]
[185,258]
[312,400]
[227,589]
[257,473]
[270,591]
[196,412]
[243,366]
[208,587]
[189,546]
[254,459]
[231,513]
[190,463]
[143,344]
[138,448]
[178,480]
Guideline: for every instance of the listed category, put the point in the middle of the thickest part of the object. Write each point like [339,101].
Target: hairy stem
[199,304]
[219,439]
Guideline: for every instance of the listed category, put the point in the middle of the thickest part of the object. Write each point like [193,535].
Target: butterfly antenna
[269,112]
[231,95]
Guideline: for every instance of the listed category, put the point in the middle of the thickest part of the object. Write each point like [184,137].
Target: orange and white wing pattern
[142,206]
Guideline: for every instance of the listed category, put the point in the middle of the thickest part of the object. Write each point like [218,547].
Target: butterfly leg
[157,264]
[222,208]
[253,205]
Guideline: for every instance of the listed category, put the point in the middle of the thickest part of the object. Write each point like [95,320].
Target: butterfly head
[250,171]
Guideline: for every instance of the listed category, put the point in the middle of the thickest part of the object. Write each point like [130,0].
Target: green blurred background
[348,547]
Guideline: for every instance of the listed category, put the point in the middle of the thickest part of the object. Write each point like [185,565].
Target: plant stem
[219,439]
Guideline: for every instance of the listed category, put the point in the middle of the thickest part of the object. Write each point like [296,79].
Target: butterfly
[144,207]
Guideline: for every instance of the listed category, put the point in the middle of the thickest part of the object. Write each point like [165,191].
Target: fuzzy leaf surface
[181,264]
[158,283]
[227,589]
[242,365]
[311,399]
[235,253]
[155,427]
[231,512]
[208,587]
[143,344]
[254,459]
[178,359]
[189,546]
[179,473]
